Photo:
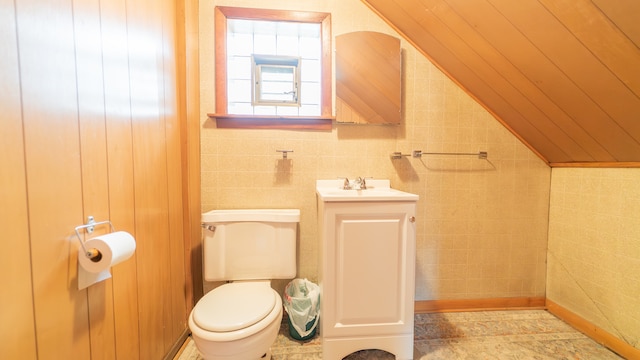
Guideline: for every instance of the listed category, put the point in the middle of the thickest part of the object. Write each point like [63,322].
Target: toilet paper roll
[114,248]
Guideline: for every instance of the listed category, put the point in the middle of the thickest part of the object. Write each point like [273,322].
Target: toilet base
[256,346]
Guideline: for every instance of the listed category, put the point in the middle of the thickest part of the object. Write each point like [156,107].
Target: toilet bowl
[247,248]
[237,321]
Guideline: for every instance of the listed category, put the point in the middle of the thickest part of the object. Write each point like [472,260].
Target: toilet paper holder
[89,228]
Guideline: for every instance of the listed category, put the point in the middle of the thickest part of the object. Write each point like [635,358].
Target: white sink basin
[377,190]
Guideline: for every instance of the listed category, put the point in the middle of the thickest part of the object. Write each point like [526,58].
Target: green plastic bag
[301,300]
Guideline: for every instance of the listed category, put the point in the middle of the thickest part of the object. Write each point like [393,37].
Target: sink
[377,190]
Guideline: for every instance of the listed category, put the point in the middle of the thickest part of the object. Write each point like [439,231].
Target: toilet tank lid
[263,215]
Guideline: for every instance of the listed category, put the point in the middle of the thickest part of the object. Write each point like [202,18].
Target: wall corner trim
[597,334]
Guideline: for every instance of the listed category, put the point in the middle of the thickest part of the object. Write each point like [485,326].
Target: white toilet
[241,319]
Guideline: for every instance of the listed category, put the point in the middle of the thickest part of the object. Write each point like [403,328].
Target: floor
[512,335]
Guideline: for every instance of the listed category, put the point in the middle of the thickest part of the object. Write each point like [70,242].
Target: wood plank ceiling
[562,75]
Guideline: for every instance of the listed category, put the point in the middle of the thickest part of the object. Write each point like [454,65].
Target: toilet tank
[250,244]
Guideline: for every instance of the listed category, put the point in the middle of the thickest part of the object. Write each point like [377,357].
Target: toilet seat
[234,306]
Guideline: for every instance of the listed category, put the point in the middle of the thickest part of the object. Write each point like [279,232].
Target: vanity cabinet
[367,276]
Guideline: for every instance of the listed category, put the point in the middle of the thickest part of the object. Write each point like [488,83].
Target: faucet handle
[363,184]
[346,185]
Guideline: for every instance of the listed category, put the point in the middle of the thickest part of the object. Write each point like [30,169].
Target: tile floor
[513,335]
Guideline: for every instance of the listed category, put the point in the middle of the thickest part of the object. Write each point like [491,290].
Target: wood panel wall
[93,125]
[560,75]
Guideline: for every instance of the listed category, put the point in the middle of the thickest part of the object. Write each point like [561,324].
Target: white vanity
[367,268]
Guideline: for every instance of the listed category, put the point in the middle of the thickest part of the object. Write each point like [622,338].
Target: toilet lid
[234,306]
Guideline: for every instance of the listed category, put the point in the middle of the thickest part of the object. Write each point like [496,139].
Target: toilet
[247,248]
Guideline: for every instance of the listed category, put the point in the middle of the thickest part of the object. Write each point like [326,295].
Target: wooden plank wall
[189,103]
[16,321]
[560,75]
[91,126]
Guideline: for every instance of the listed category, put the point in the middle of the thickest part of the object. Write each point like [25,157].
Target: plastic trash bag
[301,300]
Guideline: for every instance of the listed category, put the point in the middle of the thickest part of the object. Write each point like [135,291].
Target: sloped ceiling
[562,75]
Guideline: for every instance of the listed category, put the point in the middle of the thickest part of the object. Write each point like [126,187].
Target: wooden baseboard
[178,346]
[597,334]
[430,306]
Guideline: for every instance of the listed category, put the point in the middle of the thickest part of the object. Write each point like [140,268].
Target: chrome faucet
[358,184]
[361,183]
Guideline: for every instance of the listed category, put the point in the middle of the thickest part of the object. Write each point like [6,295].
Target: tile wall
[482,224]
[594,247]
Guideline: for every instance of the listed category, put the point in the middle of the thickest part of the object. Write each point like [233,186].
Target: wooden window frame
[226,120]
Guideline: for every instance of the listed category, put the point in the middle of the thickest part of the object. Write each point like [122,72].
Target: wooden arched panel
[368,78]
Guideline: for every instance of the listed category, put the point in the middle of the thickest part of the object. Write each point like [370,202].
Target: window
[273,69]
[276,81]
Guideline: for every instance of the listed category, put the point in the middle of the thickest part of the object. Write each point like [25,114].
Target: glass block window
[289,86]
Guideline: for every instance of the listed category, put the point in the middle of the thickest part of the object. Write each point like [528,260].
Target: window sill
[226,121]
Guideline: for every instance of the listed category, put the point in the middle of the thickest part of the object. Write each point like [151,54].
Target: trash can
[301,300]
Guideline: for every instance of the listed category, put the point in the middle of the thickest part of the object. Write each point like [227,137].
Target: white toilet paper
[114,248]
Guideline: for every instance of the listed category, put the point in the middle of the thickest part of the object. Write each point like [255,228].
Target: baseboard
[430,306]
[597,334]
[178,346]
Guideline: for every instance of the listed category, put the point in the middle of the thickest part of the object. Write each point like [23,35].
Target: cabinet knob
[412,219]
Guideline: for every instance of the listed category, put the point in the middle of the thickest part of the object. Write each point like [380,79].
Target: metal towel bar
[419,153]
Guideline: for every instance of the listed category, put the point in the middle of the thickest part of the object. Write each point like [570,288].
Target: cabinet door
[369,269]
